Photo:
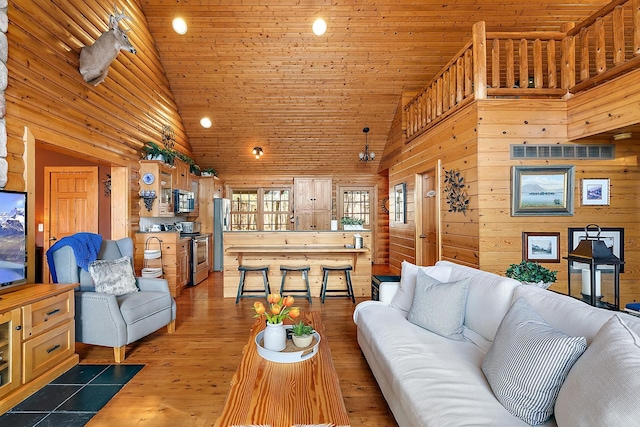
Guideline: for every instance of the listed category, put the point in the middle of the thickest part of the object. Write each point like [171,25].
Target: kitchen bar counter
[313,248]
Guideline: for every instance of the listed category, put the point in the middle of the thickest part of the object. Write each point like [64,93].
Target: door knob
[422,236]
[52,239]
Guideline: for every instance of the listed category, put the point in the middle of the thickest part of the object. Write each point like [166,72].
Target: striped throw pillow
[528,362]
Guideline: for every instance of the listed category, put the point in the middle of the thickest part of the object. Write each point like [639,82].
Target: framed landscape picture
[595,192]
[400,203]
[542,190]
[541,247]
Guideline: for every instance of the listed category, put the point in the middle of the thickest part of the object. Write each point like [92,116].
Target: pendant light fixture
[257,151]
[366,155]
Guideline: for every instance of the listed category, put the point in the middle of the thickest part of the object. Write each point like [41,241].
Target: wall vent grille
[573,151]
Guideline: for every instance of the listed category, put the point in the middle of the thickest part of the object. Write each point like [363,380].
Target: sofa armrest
[151,284]
[387,291]
[98,320]
[362,305]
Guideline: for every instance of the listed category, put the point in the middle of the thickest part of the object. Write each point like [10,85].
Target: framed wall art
[541,247]
[400,203]
[542,190]
[613,237]
[595,192]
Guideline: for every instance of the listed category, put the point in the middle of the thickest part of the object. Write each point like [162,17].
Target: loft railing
[531,64]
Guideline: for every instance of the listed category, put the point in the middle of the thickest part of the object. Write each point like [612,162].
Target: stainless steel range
[200,264]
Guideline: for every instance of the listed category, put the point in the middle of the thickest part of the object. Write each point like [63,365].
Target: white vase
[302,341]
[275,337]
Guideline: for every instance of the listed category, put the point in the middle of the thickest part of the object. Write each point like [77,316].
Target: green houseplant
[208,172]
[152,151]
[302,334]
[532,273]
[350,223]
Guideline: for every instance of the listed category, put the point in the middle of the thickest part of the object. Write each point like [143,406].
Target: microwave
[183,201]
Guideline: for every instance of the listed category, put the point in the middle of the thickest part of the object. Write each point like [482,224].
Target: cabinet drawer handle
[54,348]
[57,310]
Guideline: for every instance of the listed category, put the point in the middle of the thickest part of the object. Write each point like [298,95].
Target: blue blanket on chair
[85,246]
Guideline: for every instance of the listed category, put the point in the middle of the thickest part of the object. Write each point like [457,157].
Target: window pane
[244,210]
[276,209]
[356,204]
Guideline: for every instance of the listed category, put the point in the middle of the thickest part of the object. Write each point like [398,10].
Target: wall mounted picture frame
[400,203]
[595,192]
[541,246]
[613,237]
[542,190]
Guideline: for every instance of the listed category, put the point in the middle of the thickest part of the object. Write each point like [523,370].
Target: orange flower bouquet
[279,309]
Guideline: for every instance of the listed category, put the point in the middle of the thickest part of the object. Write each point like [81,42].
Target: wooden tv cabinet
[37,339]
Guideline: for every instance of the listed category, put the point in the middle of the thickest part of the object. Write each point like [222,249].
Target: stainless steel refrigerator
[221,223]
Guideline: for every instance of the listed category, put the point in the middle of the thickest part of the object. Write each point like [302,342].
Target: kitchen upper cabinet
[194,183]
[312,203]
[182,175]
[156,177]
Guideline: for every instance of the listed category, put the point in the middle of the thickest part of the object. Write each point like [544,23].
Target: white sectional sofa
[431,380]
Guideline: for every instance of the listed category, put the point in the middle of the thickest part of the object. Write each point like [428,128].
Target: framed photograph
[542,190]
[613,238]
[540,247]
[400,203]
[595,192]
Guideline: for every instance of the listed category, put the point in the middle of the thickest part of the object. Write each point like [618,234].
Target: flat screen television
[13,238]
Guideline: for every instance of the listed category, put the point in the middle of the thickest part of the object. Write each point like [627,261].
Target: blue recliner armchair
[115,321]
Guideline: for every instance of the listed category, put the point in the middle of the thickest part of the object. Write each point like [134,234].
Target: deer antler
[119,16]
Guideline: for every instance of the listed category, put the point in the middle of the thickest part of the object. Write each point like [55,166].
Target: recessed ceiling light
[621,136]
[319,27]
[179,26]
[205,122]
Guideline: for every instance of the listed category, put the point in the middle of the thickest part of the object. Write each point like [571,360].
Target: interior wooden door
[428,237]
[71,204]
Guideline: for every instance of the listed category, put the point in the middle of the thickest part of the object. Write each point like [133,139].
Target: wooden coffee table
[285,394]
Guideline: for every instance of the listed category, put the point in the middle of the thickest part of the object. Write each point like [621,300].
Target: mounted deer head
[95,59]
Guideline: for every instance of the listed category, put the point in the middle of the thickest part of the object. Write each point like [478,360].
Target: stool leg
[265,280]
[347,276]
[240,286]
[305,273]
[323,291]
[284,278]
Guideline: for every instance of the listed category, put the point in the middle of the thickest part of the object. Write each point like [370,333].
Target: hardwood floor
[187,375]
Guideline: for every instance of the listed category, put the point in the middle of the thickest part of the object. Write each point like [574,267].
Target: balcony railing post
[568,58]
[479,60]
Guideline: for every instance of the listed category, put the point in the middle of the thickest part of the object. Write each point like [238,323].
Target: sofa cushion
[528,362]
[439,307]
[113,277]
[408,276]
[137,306]
[609,367]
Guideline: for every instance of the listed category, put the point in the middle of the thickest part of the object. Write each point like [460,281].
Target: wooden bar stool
[326,269]
[243,269]
[305,275]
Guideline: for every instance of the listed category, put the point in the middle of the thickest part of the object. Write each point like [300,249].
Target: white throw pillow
[404,296]
[439,307]
[113,277]
[528,362]
[602,387]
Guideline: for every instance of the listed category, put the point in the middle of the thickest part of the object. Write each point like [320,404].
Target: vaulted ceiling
[257,70]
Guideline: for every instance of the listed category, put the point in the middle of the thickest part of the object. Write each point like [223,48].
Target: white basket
[152,254]
[152,272]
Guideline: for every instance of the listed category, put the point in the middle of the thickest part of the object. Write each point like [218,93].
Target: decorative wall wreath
[385,205]
[457,198]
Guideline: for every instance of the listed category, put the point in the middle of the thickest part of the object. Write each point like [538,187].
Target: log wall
[108,123]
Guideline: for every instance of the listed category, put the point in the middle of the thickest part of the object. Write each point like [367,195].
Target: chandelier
[366,155]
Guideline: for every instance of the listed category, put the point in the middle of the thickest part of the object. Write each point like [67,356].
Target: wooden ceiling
[256,69]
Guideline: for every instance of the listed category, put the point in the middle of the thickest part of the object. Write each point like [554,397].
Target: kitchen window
[264,209]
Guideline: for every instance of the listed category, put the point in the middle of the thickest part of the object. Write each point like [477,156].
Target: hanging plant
[457,198]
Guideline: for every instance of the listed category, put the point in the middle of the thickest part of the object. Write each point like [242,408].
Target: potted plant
[208,172]
[280,308]
[169,156]
[530,272]
[302,334]
[152,151]
[350,223]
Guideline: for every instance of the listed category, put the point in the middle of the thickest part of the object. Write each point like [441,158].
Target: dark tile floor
[71,399]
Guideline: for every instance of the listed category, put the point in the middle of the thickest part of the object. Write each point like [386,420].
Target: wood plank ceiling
[257,70]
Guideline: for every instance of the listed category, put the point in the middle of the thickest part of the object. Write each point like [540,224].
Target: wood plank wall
[476,142]
[108,123]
